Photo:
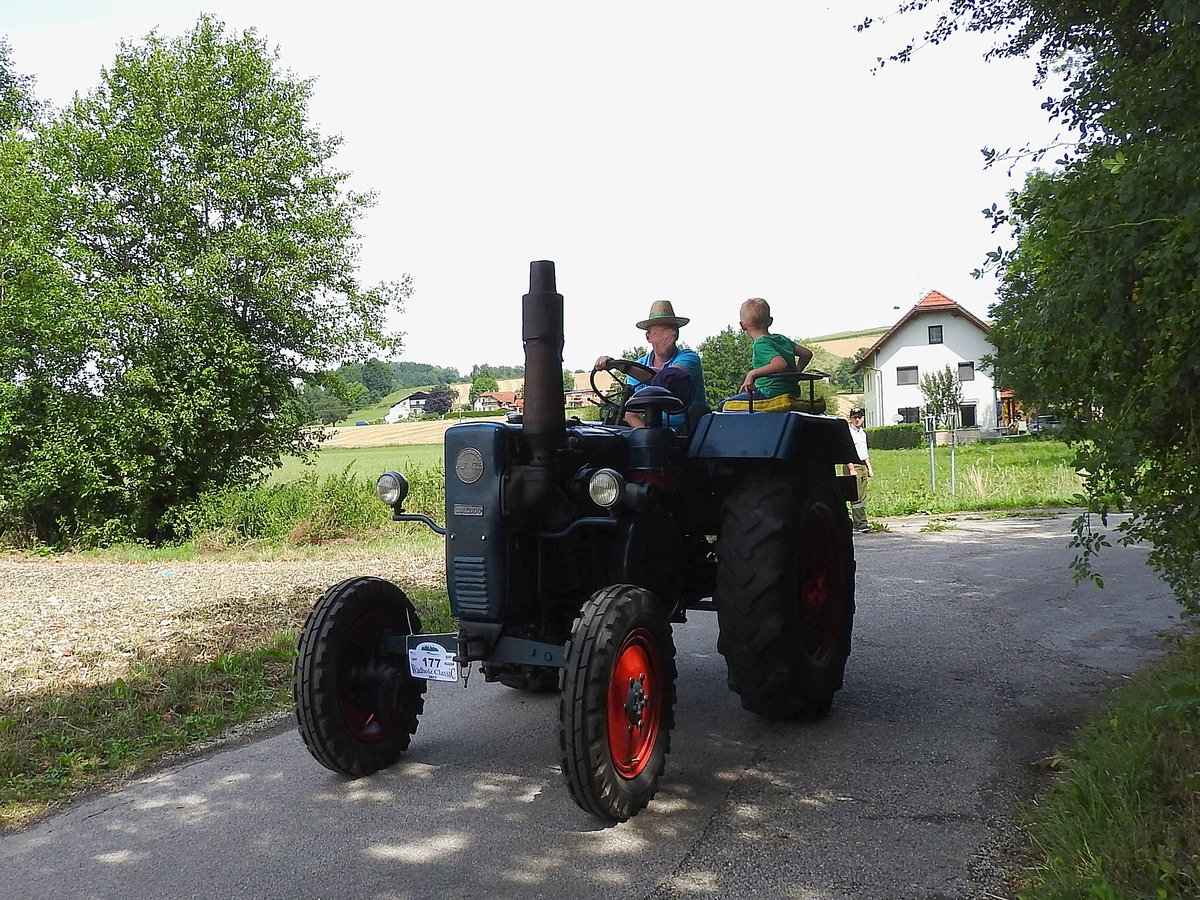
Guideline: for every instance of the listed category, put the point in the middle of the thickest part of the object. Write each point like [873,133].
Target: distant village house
[411,406]
[935,333]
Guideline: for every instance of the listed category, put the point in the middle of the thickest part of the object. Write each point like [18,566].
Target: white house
[935,333]
[492,401]
[412,405]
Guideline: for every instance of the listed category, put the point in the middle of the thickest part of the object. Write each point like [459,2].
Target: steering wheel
[614,409]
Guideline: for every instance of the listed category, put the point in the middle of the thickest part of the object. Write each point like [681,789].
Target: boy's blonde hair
[756,312]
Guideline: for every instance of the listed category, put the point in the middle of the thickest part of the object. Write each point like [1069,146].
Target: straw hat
[662,313]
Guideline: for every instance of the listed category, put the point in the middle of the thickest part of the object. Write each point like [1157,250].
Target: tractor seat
[785,402]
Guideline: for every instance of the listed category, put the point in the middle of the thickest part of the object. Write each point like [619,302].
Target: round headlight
[391,488]
[468,465]
[605,487]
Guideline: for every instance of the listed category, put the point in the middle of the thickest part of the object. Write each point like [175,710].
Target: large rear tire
[618,702]
[356,703]
[785,594]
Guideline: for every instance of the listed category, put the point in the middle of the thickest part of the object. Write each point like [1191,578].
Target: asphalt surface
[973,658]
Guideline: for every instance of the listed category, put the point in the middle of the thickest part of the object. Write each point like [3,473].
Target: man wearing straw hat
[662,332]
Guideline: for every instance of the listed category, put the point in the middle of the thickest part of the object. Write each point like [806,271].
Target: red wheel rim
[634,704]
[368,695]
[822,595]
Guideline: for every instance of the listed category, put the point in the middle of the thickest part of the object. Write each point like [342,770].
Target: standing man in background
[861,471]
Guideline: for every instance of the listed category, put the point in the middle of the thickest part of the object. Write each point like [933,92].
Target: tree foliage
[1098,294]
[726,356]
[411,374]
[19,107]
[440,400]
[497,371]
[482,381]
[844,376]
[178,253]
[942,393]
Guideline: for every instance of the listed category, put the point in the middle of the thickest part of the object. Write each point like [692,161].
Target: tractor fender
[772,435]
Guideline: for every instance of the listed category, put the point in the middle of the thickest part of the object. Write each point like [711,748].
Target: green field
[1002,475]
[364,462]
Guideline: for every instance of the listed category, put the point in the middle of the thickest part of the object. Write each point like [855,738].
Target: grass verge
[1122,818]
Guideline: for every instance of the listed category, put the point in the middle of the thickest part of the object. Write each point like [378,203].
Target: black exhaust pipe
[543,416]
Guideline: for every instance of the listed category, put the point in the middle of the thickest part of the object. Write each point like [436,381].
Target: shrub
[309,510]
[896,437]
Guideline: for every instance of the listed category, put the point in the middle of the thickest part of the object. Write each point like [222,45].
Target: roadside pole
[931,436]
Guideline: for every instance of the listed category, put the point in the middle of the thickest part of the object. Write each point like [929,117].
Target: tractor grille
[470,585]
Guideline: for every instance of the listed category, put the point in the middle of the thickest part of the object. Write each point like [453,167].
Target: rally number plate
[432,662]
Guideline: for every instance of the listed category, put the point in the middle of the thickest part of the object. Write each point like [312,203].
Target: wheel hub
[635,702]
[634,705]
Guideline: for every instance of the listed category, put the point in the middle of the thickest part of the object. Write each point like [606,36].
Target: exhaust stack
[543,417]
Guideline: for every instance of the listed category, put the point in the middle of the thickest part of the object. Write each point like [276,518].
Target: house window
[909,414]
[906,375]
[935,334]
[966,416]
[966,371]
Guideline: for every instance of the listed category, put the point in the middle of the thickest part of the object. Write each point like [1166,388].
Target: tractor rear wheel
[356,703]
[785,594]
[618,701]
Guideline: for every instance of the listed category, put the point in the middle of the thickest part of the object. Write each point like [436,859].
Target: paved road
[973,656]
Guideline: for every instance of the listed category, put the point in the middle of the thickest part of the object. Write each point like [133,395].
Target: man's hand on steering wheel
[611,364]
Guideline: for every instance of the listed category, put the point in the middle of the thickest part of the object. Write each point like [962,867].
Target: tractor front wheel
[356,703]
[618,701]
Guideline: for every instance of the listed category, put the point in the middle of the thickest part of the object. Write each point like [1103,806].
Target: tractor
[573,549]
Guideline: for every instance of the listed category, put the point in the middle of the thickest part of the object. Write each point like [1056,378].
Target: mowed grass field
[398,434]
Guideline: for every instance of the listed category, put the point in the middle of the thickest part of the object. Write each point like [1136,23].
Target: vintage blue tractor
[572,551]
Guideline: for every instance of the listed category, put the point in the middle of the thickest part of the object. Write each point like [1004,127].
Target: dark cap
[678,381]
[858,411]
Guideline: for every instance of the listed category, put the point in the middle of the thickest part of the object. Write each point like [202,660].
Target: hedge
[896,437]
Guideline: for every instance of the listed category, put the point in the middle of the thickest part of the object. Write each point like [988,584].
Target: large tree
[726,356]
[1097,316]
[441,398]
[178,253]
[483,380]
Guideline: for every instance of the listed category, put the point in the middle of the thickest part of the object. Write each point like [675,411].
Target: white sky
[700,152]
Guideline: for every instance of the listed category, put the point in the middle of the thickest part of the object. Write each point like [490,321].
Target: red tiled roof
[935,298]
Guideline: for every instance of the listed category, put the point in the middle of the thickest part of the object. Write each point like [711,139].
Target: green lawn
[994,475]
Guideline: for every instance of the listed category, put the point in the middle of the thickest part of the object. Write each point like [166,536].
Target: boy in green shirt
[771,353]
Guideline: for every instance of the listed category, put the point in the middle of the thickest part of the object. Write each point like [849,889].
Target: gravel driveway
[74,620]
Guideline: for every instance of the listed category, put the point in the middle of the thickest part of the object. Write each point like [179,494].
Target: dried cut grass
[73,621]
